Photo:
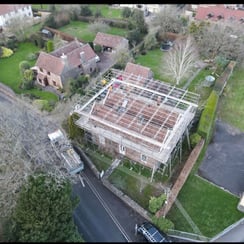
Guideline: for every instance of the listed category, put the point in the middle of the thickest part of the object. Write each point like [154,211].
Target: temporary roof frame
[133,108]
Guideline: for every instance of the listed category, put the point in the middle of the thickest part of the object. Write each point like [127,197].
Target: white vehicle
[62,146]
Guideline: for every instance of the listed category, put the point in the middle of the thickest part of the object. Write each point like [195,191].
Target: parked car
[152,234]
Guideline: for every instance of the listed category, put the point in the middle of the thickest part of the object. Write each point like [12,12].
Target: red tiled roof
[203,11]
[53,62]
[50,63]
[138,70]
[108,40]
[7,8]
[74,58]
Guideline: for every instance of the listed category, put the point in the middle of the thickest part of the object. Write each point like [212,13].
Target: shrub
[31,56]
[6,52]
[194,139]
[162,223]
[155,203]
[97,48]
[50,46]
[24,65]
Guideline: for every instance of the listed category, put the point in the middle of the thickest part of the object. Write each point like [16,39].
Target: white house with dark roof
[11,11]
[69,61]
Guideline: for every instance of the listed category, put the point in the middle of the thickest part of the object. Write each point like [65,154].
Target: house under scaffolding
[142,119]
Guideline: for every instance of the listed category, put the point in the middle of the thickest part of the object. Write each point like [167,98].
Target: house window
[41,69]
[79,66]
[122,149]
[90,69]
[40,80]
[143,158]
[54,83]
[48,72]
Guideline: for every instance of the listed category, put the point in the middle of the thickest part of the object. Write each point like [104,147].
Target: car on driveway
[152,234]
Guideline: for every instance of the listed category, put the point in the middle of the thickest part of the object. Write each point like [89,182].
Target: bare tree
[18,26]
[24,149]
[58,41]
[223,38]
[179,61]
[98,26]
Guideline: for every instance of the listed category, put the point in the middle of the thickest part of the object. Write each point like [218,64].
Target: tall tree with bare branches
[179,61]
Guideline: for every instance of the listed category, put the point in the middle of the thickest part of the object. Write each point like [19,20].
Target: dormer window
[210,15]
[242,20]
[220,16]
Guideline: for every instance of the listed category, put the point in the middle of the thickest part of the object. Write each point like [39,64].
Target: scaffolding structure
[146,115]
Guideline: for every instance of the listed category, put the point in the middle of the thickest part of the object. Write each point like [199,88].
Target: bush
[6,52]
[74,130]
[50,46]
[31,56]
[162,223]
[97,48]
[194,139]
[155,203]
[24,65]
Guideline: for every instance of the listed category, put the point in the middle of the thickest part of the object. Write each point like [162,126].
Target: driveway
[105,61]
[223,163]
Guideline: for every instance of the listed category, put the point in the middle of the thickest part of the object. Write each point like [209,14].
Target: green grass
[10,74]
[40,6]
[101,160]
[231,102]
[211,208]
[154,60]
[80,30]
[129,182]
[106,11]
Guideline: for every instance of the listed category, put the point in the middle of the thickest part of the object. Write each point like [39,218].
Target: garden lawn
[231,103]
[80,30]
[154,60]
[210,208]
[10,74]
[106,11]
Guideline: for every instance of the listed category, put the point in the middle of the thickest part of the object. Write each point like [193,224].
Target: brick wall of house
[113,148]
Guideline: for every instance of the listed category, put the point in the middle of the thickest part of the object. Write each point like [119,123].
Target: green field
[210,208]
[231,104]
[80,30]
[154,60]
[10,74]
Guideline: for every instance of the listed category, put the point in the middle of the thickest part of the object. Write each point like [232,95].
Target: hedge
[207,119]
[111,22]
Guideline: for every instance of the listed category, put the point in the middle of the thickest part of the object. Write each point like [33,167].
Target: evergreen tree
[44,211]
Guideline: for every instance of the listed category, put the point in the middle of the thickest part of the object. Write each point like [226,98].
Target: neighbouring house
[142,119]
[110,42]
[11,11]
[219,12]
[69,61]
[139,70]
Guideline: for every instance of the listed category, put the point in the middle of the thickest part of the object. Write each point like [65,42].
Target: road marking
[82,181]
[106,208]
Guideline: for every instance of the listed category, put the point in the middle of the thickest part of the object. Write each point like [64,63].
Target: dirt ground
[223,163]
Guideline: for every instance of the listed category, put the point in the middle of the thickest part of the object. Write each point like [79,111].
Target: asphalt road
[101,216]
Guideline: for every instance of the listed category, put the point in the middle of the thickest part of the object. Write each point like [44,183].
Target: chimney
[82,57]
[64,59]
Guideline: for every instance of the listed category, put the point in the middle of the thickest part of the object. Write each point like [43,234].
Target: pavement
[223,163]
